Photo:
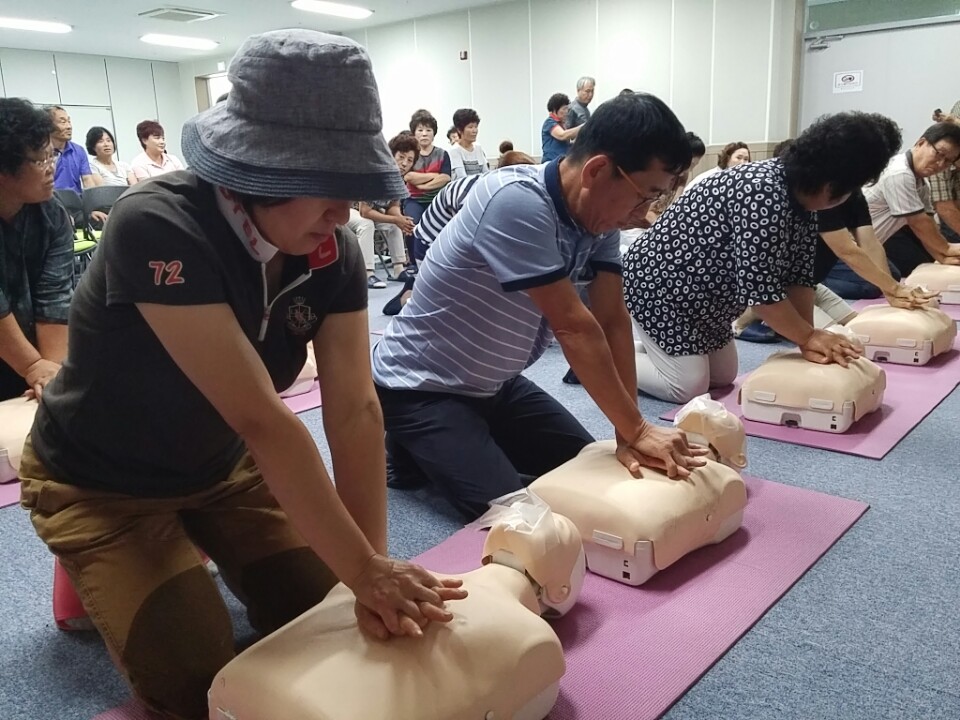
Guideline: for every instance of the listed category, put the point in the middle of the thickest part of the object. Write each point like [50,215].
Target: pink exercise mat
[9,493]
[632,652]
[952,310]
[309,400]
[911,394]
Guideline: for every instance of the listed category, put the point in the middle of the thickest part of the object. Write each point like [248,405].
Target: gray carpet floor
[871,632]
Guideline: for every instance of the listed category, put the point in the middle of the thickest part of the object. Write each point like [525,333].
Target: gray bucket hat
[302,120]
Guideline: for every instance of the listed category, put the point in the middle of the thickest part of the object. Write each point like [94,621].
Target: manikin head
[527,536]
[708,422]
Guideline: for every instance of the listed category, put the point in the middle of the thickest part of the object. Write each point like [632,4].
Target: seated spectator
[36,253]
[733,154]
[101,148]
[431,168]
[466,155]
[370,216]
[554,138]
[154,160]
[900,203]
[453,136]
[73,166]
[945,195]
[711,255]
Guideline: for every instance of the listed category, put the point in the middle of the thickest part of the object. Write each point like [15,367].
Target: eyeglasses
[644,200]
[942,157]
[48,161]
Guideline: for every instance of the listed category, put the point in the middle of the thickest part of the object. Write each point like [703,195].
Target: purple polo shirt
[72,163]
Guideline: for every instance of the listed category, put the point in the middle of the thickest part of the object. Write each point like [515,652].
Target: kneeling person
[497,284]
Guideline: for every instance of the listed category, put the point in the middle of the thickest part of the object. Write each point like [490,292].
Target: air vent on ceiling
[180,15]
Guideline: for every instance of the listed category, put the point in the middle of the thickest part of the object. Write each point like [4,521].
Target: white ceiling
[112,27]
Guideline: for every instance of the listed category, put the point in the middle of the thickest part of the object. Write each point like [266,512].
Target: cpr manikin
[943,279]
[905,337]
[634,527]
[306,378]
[789,390]
[16,419]
[496,659]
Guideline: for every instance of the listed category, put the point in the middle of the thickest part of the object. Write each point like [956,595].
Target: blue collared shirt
[72,164]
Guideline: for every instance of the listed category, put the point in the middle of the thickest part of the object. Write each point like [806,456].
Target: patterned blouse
[737,239]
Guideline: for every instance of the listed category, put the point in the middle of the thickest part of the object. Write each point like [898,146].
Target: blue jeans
[850,286]
[415,248]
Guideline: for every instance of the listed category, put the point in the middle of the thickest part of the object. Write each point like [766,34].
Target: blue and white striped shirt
[470,325]
[442,208]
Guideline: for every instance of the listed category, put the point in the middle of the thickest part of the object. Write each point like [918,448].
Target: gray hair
[584,81]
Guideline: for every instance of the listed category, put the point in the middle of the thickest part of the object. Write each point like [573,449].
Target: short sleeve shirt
[120,415]
[551,148]
[852,214]
[735,240]
[117,175]
[577,115]
[72,164]
[945,186]
[36,274]
[464,163]
[898,194]
[445,205]
[470,324]
[438,161]
[143,167]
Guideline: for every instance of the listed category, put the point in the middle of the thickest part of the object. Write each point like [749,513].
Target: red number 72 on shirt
[170,269]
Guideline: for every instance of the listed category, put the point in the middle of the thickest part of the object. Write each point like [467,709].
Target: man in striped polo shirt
[494,288]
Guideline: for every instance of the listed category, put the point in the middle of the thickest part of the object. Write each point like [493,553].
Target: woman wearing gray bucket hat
[163,431]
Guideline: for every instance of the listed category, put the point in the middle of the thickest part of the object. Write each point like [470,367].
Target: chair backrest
[101,197]
[74,206]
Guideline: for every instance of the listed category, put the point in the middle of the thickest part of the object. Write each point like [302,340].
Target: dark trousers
[477,449]
[850,286]
[905,250]
[11,384]
[416,250]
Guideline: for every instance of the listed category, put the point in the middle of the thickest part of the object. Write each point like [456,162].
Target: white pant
[365,231]
[680,378]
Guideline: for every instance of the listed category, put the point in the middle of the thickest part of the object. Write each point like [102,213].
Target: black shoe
[408,273]
[571,378]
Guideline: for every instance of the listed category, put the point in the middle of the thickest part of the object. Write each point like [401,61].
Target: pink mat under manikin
[309,400]
[9,493]
[632,652]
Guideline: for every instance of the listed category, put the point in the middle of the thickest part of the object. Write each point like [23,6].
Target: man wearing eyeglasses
[900,202]
[497,284]
[36,254]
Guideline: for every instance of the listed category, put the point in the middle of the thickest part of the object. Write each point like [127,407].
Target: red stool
[68,611]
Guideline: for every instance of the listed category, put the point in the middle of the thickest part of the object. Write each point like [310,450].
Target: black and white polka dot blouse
[736,239]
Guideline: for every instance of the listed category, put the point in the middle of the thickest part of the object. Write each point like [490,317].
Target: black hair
[506,146]
[626,91]
[423,117]
[93,137]
[697,148]
[942,131]
[844,151]
[781,147]
[404,142]
[633,130]
[557,101]
[463,117]
[23,128]
[723,157]
[453,129]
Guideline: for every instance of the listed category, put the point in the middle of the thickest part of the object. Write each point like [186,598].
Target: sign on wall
[848,81]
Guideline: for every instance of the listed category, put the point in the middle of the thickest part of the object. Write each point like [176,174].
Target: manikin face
[299,226]
[62,127]
[104,147]
[470,132]
[585,94]
[930,159]
[405,161]
[33,182]
[739,157]
[424,135]
[155,144]
[611,200]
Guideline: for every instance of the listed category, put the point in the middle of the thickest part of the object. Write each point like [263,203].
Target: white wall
[725,66]
[905,75]
[114,92]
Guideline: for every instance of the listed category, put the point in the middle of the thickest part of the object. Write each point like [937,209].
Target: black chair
[101,198]
[74,206]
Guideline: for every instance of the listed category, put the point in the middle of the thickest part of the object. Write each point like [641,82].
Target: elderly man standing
[579,111]
[497,284]
[36,254]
